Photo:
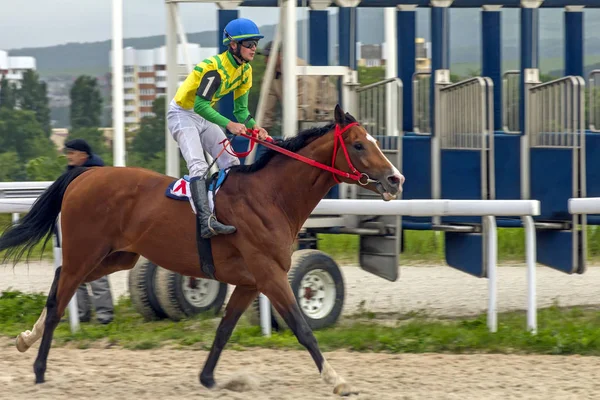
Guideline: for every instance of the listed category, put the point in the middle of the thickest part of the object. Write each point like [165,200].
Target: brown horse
[110,216]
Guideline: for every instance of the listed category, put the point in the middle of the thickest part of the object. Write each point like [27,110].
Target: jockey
[196,126]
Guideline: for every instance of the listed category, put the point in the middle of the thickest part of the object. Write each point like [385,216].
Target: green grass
[36,253]
[561,331]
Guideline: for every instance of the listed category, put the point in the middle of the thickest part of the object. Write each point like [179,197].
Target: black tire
[179,304]
[142,291]
[320,267]
[326,275]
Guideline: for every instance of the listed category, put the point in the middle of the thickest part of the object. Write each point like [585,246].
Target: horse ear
[350,117]
[340,116]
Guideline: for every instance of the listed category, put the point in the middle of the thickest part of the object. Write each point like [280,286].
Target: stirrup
[210,218]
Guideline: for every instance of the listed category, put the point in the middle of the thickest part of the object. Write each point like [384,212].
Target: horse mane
[293,144]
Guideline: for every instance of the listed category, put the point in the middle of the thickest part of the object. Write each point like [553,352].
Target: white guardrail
[585,205]
[17,197]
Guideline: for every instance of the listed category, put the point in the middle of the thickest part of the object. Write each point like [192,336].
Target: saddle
[180,190]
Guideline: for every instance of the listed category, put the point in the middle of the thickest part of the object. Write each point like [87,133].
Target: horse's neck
[297,186]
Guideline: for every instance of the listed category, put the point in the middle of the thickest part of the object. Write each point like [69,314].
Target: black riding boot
[209,226]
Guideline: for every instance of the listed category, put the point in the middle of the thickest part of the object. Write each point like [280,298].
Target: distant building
[59,137]
[145,77]
[14,67]
[375,55]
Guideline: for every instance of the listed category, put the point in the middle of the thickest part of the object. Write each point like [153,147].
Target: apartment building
[14,67]
[145,77]
[375,55]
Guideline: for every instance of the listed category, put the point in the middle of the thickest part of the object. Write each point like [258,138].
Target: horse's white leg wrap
[330,376]
[340,386]
[26,339]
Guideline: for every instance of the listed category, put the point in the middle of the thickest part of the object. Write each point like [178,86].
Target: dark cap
[267,49]
[80,145]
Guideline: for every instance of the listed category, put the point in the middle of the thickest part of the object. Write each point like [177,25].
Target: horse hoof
[39,379]
[207,381]
[21,345]
[344,389]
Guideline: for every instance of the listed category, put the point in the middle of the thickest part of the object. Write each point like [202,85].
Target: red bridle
[354,175]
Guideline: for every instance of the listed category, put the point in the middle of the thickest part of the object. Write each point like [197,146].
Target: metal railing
[556,113]
[421,102]
[380,107]
[594,102]
[466,118]
[511,94]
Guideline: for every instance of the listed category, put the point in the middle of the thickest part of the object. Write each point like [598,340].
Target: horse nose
[396,180]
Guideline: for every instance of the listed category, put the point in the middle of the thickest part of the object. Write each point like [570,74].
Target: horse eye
[359,146]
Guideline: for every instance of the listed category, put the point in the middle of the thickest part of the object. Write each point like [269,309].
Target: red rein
[354,175]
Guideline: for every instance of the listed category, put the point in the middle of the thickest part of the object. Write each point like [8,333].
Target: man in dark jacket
[79,154]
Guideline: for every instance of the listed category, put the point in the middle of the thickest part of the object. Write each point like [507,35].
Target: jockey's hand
[236,128]
[262,133]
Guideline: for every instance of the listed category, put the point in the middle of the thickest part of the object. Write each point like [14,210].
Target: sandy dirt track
[173,374]
[101,373]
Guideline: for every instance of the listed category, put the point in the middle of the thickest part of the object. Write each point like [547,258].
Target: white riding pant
[194,134]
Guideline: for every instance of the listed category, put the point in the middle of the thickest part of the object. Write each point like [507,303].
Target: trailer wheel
[318,286]
[142,293]
[184,296]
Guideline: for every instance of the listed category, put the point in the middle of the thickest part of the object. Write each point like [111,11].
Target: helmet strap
[238,53]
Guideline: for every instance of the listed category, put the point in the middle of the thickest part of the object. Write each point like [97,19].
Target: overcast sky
[61,21]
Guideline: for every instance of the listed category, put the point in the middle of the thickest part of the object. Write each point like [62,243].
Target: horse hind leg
[280,293]
[67,279]
[26,339]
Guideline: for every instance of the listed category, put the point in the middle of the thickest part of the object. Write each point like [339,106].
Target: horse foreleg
[280,293]
[238,303]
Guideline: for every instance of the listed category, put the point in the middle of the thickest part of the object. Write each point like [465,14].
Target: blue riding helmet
[240,29]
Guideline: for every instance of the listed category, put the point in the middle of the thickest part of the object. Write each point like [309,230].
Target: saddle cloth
[180,189]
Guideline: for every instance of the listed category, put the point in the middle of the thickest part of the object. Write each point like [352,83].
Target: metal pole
[172,150]
[117,85]
[530,254]
[265,314]
[73,309]
[391,70]
[290,55]
[492,257]
[266,83]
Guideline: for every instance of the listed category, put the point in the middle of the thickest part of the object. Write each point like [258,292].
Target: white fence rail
[488,209]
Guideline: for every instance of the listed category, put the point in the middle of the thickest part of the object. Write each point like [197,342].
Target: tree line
[28,153]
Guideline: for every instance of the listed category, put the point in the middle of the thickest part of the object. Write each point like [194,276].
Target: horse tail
[39,221]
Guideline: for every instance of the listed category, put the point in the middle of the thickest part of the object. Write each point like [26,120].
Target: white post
[492,257]
[172,150]
[264,307]
[290,55]
[530,255]
[73,309]
[15,218]
[266,83]
[189,65]
[391,70]
[182,37]
[117,85]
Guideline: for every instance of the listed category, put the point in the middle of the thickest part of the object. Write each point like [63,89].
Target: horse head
[359,154]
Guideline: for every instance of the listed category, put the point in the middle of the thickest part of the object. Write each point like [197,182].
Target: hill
[72,59]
